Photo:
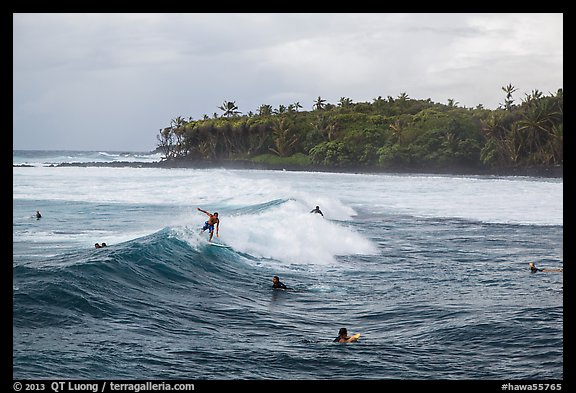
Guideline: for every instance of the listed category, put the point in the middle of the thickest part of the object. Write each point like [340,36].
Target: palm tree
[397,129]
[284,139]
[177,122]
[229,108]
[319,104]
[326,127]
[281,109]
[536,125]
[533,97]
[403,97]
[343,102]
[497,139]
[166,142]
[452,103]
[297,106]
[206,145]
[557,143]
[265,110]
[508,103]
[178,127]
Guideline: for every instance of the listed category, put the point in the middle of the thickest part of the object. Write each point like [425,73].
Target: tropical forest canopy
[390,133]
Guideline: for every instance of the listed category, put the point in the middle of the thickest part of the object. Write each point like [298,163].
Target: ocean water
[431,270]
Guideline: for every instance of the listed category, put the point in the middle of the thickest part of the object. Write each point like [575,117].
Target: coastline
[544,172]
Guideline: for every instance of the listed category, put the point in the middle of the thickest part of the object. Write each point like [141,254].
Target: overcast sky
[112,81]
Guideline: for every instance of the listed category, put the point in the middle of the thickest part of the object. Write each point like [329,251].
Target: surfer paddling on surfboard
[343,336]
[277,284]
[534,269]
[212,221]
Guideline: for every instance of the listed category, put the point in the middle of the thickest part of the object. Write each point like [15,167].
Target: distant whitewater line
[80,157]
[64,158]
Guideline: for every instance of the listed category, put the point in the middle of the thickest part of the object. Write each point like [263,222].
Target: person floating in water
[343,337]
[97,245]
[277,284]
[317,210]
[213,220]
[38,215]
[534,269]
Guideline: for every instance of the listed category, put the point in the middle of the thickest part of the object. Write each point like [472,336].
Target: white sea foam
[291,234]
[287,233]
[340,196]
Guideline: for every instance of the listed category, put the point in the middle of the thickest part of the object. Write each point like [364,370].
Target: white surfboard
[219,245]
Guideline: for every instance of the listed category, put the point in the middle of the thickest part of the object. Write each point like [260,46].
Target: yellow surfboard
[353,338]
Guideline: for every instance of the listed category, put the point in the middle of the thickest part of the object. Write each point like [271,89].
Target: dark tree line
[389,133]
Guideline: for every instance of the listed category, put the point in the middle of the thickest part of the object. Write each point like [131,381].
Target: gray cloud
[111,81]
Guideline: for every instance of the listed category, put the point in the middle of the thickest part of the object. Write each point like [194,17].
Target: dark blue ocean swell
[443,299]
[99,281]
[152,285]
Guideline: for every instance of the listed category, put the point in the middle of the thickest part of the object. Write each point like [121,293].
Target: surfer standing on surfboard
[213,220]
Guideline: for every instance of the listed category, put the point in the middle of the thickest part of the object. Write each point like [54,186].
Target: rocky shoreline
[548,172]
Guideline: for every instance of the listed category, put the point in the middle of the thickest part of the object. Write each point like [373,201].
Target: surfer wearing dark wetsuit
[277,284]
[317,210]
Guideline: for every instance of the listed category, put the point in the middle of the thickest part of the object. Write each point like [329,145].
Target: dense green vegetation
[391,133]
